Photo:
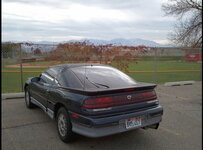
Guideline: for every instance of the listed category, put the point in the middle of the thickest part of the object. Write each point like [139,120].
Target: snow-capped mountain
[50,45]
[121,41]
[117,41]
[134,42]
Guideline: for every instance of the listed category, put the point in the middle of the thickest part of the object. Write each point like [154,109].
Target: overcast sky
[62,20]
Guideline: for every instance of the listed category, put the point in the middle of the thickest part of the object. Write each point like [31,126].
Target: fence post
[201,64]
[21,68]
[155,65]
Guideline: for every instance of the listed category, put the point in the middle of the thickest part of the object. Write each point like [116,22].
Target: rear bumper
[115,124]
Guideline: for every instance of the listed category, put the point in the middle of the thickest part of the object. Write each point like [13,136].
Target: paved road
[181,128]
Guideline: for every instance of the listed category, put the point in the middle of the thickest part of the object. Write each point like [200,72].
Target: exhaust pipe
[154,126]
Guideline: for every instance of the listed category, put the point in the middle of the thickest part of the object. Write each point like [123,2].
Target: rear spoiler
[93,92]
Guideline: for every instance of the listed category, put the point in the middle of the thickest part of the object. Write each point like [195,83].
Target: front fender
[30,80]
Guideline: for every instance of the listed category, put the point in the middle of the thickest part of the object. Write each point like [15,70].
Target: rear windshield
[102,77]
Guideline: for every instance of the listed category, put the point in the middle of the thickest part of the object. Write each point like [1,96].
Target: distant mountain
[117,42]
[46,42]
[135,42]
[121,41]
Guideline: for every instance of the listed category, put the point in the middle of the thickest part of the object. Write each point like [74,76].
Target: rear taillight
[101,102]
[104,102]
[149,94]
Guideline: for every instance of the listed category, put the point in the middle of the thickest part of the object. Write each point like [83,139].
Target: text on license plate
[133,122]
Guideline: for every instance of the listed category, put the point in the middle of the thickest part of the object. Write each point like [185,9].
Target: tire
[64,126]
[28,103]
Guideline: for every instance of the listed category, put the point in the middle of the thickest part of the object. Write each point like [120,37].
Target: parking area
[180,129]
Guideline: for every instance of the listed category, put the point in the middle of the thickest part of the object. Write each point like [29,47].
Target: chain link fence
[145,64]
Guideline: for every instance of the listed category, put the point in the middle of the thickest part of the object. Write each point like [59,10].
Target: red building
[193,57]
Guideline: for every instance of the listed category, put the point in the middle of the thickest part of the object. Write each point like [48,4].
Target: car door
[40,90]
[52,98]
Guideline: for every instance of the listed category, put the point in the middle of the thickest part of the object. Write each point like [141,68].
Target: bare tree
[188,32]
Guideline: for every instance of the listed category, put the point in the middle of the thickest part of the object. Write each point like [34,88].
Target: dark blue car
[93,100]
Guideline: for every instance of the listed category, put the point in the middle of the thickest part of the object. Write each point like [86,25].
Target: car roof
[77,65]
[54,70]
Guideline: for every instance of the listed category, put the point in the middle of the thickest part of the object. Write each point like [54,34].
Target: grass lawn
[11,82]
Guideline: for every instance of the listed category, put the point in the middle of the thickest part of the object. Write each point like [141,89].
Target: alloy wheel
[62,124]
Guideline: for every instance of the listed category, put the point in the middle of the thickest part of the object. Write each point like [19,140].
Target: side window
[55,83]
[68,79]
[46,79]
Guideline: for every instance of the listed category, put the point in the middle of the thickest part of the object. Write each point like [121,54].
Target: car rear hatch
[108,91]
[120,101]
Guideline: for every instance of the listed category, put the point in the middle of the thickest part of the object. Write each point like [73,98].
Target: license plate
[133,122]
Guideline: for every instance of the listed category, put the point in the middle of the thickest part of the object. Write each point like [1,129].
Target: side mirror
[35,79]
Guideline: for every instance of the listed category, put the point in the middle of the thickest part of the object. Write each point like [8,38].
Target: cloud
[163,41]
[75,19]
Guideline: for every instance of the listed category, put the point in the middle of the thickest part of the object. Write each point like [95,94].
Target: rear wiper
[102,85]
[96,84]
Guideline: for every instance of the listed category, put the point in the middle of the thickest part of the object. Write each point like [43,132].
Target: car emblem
[129,97]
